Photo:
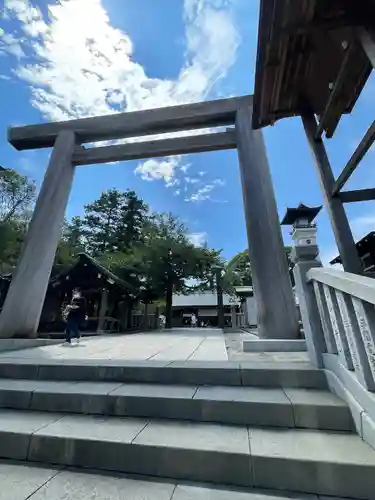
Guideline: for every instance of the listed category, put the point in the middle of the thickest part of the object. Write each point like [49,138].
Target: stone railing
[240,320]
[338,314]
[346,306]
[148,322]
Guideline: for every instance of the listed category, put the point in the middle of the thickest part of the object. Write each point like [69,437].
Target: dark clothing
[75,319]
[79,312]
[72,330]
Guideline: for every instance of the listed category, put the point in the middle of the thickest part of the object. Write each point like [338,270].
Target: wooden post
[339,221]
[168,305]
[145,316]
[103,309]
[220,301]
[277,311]
[367,39]
[233,316]
[23,305]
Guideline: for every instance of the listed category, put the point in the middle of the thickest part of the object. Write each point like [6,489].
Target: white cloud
[80,65]
[362,225]
[329,253]
[198,239]
[192,180]
[158,170]
[11,44]
[204,192]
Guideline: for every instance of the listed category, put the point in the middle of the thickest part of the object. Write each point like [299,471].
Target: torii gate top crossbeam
[132,124]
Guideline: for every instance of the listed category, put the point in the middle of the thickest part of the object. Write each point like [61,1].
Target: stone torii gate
[277,314]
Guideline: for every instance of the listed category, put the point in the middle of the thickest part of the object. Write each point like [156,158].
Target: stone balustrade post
[305,258]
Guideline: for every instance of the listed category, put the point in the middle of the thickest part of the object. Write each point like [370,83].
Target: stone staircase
[270,427]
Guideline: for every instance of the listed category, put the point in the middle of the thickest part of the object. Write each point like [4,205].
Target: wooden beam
[367,40]
[153,149]
[132,124]
[328,121]
[334,206]
[357,195]
[354,161]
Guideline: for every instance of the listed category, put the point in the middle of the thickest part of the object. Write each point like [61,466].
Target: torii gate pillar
[277,310]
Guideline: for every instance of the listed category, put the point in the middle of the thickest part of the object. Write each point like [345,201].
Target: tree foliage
[114,222]
[237,272]
[150,250]
[17,195]
[166,259]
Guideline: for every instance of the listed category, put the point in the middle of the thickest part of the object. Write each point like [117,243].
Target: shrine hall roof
[302,44]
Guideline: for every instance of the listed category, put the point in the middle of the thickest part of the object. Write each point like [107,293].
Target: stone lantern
[303,232]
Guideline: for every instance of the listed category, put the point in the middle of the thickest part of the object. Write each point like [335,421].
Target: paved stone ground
[234,341]
[180,344]
[34,482]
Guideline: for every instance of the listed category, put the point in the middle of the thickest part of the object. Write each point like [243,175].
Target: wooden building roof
[302,46]
[364,246]
[85,260]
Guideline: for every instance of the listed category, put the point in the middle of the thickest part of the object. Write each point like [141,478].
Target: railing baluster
[324,317]
[365,314]
[338,329]
[355,342]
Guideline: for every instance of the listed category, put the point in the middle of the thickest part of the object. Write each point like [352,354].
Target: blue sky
[76,58]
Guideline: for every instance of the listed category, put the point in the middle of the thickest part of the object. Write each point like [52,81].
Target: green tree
[113,222]
[164,259]
[237,272]
[168,259]
[70,245]
[17,195]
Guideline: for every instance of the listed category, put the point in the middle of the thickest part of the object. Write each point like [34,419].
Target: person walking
[194,320]
[75,315]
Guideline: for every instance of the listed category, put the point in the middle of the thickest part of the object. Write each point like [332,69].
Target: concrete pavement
[178,344]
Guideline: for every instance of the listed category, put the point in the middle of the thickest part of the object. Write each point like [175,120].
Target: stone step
[288,407]
[38,482]
[266,374]
[308,461]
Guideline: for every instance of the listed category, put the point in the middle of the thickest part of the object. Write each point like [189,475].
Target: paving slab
[319,409]
[245,405]
[210,348]
[281,374]
[91,427]
[184,347]
[313,461]
[19,482]
[84,486]
[86,441]
[199,452]
[185,492]
[176,344]
[245,394]
[25,422]
[155,391]
[16,428]
[200,436]
[72,397]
